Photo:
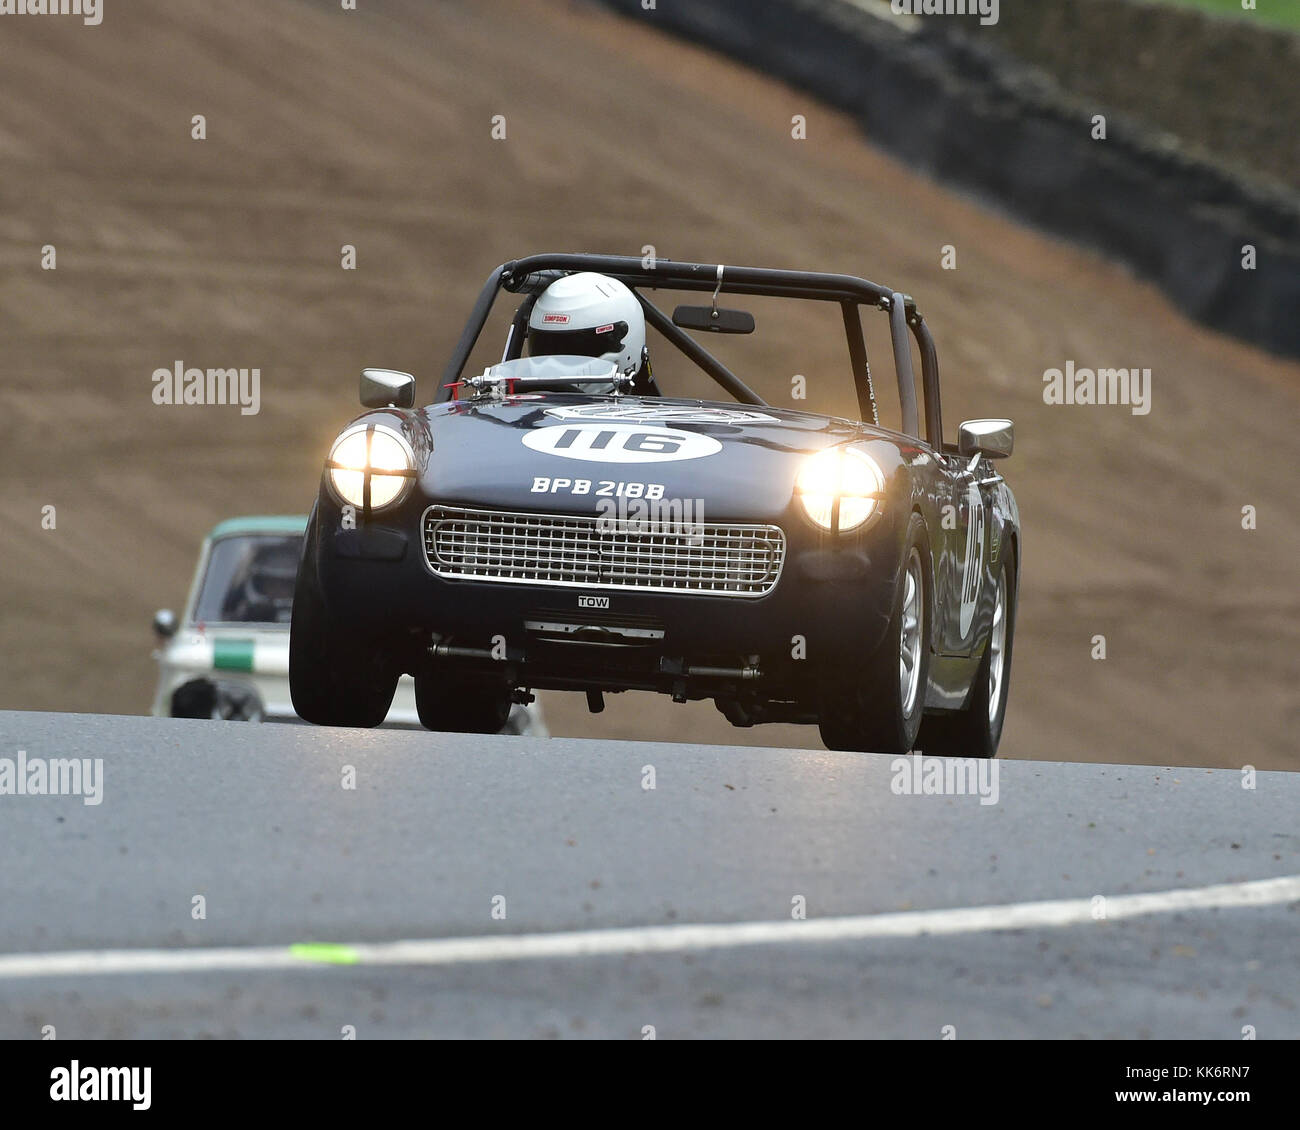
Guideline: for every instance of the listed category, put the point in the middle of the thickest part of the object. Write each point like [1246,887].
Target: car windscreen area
[693,330]
[250,580]
[797,358]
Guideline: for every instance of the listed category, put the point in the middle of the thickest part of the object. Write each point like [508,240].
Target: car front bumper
[828,609]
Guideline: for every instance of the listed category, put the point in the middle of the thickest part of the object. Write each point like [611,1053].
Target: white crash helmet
[589,315]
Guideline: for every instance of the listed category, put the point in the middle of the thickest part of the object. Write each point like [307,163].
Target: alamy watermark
[918,775]
[987,10]
[58,776]
[667,517]
[76,1083]
[1076,385]
[90,11]
[179,385]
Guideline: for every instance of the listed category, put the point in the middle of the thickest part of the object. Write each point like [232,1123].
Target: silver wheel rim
[997,655]
[909,639]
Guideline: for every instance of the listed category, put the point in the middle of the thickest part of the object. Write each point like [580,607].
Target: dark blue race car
[555,522]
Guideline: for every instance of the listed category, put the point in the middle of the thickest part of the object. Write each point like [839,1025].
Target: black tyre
[976,730]
[879,709]
[335,678]
[228,701]
[460,706]
[195,699]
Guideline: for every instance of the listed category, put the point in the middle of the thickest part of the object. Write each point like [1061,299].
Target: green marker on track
[324,952]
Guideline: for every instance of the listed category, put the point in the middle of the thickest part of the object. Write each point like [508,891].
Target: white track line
[657,939]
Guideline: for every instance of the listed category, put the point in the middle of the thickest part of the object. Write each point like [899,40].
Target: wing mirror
[992,438]
[164,623]
[387,388]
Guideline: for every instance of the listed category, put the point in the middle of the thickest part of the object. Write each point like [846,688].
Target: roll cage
[531,275]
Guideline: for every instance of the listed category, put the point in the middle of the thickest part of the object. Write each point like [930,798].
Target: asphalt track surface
[602,878]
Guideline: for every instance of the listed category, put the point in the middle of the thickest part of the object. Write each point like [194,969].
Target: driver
[265,593]
[591,315]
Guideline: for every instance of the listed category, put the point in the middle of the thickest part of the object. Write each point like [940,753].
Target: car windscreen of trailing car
[249,580]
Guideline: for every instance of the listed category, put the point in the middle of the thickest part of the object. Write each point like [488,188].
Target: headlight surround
[843,475]
[371,455]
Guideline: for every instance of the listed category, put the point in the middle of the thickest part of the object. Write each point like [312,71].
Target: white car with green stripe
[228,655]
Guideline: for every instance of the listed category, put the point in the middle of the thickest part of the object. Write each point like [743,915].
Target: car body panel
[835,591]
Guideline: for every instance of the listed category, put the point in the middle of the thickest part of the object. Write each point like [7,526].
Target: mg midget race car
[556,522]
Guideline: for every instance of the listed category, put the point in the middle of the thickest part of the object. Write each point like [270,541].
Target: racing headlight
[840,488]
[371,466]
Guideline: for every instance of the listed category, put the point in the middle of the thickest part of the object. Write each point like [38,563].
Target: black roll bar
[930,374]
[469,335]
[861,366]
[697,353]
[522,275]
[903,362]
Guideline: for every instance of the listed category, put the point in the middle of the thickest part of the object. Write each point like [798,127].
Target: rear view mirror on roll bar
[714,320]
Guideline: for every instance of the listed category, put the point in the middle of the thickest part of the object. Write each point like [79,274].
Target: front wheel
[335,679]
[976,730]
[879,709]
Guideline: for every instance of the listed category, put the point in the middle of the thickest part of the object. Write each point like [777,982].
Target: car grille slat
[717,559]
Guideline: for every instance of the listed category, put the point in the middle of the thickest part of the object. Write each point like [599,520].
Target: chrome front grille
[589,552]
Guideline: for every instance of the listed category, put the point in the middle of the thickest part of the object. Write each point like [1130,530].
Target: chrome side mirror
[992,438]
[164,623]
[387,388]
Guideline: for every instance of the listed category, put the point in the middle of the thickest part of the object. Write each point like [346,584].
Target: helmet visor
[581,343]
